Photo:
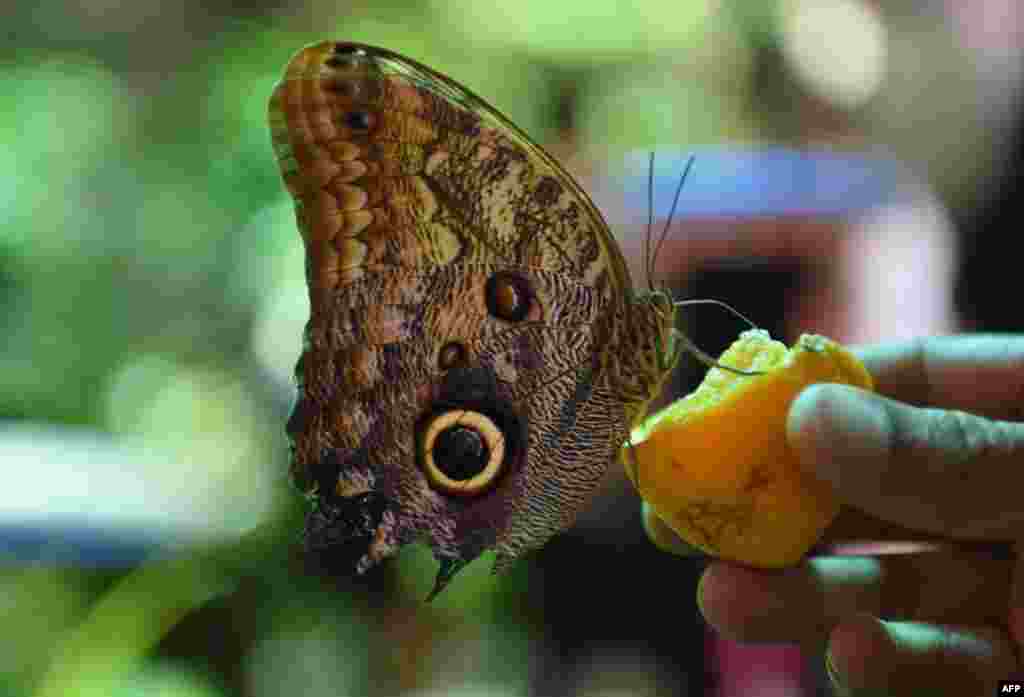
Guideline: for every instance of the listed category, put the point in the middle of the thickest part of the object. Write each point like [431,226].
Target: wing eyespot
[451,354]
[357,120]
[509,296]
[462,452]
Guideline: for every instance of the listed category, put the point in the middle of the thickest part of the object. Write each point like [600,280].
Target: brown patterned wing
[395,165]
[468,310]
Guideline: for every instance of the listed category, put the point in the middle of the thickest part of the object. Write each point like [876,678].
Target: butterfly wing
[454,268]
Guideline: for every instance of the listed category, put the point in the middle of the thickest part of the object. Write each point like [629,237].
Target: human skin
[939,448]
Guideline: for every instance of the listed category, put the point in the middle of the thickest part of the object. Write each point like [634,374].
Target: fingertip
[732,598]
[715,593]
[809,422]
[830,423]
[854,648]
[903,657]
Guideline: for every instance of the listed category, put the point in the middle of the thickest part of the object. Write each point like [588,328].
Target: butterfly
[475,354]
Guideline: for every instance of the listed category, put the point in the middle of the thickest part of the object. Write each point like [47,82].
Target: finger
[945,472]
[803,604]
[797,605]
[663,537]
[1015,618]
[868,655]
[978,373]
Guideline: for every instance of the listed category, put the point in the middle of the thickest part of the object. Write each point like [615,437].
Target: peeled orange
[715,466]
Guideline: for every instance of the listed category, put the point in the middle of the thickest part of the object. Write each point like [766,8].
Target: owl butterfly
[475,354]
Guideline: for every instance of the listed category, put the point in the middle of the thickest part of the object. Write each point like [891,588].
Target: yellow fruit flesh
[715,466]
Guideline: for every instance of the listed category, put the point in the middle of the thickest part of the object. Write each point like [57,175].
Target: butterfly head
[649,352]
[657,310]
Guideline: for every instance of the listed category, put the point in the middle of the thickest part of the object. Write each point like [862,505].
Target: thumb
[946,472]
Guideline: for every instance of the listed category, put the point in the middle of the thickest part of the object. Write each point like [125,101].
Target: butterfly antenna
[719,303]
[708,360]
[675,203]
[648,263]
[695,350]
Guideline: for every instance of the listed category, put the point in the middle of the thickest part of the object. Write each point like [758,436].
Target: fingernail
[831,423]
[833,674]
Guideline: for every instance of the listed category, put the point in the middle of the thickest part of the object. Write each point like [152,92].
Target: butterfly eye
[462,451]
[349,50]
[452,354]
[508,296]
[345,56]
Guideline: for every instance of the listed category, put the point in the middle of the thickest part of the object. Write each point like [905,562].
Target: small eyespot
[508,296]
[451,354]
[357,120]
[462,452]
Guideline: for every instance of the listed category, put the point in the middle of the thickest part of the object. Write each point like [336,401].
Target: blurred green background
[152,301]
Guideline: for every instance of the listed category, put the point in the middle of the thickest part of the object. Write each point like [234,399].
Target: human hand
[949,621]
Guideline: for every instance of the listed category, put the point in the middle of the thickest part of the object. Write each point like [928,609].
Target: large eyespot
[462,452]
[508,296]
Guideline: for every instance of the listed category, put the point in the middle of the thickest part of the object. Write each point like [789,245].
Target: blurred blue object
[771,182]
[82,543]
[73,497]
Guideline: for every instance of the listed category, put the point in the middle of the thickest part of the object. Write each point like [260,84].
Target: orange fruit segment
[715,465]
